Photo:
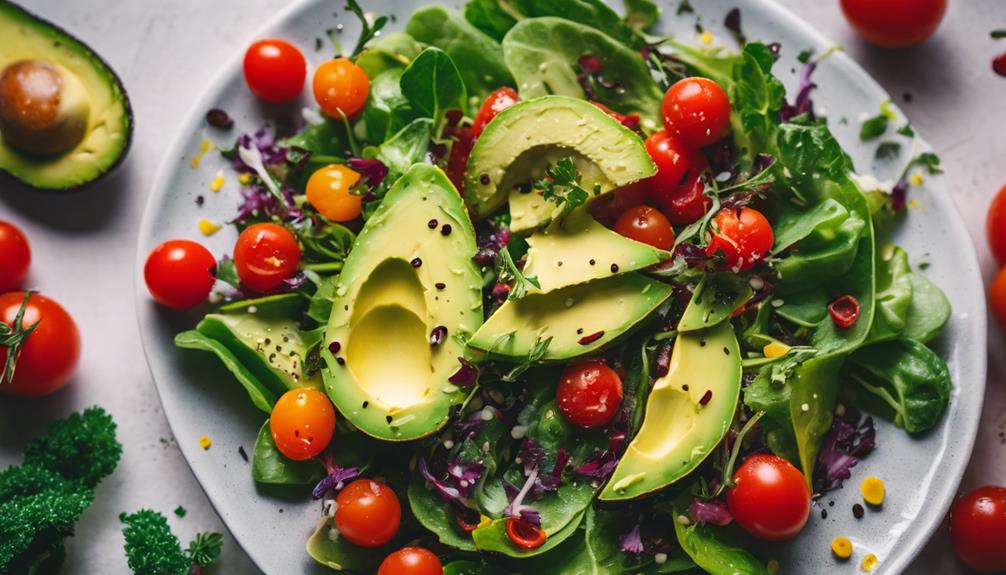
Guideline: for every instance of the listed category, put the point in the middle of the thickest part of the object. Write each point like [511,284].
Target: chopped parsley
[562,186]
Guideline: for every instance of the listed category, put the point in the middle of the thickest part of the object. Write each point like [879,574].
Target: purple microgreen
[466,375]
[599,465]
[847,442]
[334,481]
[712,511]
[632,542]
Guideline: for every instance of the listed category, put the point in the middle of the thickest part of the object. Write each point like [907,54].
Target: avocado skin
[107,70]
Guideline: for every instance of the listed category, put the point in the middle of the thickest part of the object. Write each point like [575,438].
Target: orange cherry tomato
[265,255]
[997,298]
[995,227]
[743,236]
[329,190]
[50,354]
[368,513]
[275,70]
[302,423]
[411,561]
[340,86]
[697,111]
[647,225]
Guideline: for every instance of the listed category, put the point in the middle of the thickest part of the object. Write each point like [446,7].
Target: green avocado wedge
[90,133]
[687,414]
[407,300]
[523,140]
[577,320]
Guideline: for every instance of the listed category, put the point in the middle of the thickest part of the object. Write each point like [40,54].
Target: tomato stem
[12,337]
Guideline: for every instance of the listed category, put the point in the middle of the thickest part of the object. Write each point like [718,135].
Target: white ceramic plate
[272,524]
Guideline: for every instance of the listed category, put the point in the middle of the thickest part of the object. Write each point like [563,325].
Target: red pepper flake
[706,397]
[589,339]
[844,311]
[466,519]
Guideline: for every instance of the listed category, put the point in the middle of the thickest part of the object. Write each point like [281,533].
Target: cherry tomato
[48,359]
[498,101]
[894,23]
[368,513]
[677,163]
[647,225]
[180,274]
[744,236]
[411,561]
[525,535]
[461,150]
[589,393]
[685,204]
[302,423]
[265,255]
[844,311]
[329,190]
[978,529]
[275,70]
[15,256]
[770,498]
[995,227]
[630,121]
[997,298]
[607,208]
[697,111]
[341,86]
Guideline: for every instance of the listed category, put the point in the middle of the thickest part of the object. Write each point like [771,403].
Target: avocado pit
[44,108]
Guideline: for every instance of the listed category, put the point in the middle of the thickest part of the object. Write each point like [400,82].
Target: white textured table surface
[166,51]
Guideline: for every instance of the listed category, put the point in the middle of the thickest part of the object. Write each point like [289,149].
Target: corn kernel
[869,562]
[775,349]
[841,547]
[205,442]
[204,146]
[916,179]
[706,37]
[244,179]
[208,228]
[218,182]
[872,489]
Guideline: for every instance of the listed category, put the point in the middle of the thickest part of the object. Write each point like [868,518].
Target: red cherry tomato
[997,298]
[697,111]
[677,164]
[589,393]
[607,208]
[15,257]
[498,101]
[685,204]
[340,87]
[995,227]
[180,274]
[265,255]
[525,535]
[770,498]
[275,70]
[630,121]
[647,225]
[411,561]
[744,236]
[461,150]
[894,23]
[302,423]
[49,356]
[368,513]
[978,529]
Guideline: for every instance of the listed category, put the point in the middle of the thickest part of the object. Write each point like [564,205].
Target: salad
[533,290]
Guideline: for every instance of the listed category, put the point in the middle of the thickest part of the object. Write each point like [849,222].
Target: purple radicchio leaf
[847,442]
[550,483]
[465,476]
[490,244]
[469,426]
[803,104]
[899,194]
[516,507]
[334,481]
[713,512]
[692,254]
[600,465]
[296,281]
[531,455]
[632,542]
[446,492]
[373,170]
[732,22]
[465,375]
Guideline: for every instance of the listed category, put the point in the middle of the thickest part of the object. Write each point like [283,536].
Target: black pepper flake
[416,262]
[858,511]
[440,285]
[446,230]
[726,351]
[484,179]
[437,335]
[559,263]
[366,404]
[243,453]
[525,188]
[340,361]
[219,119]
[706,397]
[579,331]
[684,387]
[824,514]
[388,418]
[831,504]
[614,268]
[702,343]
[200,200]
[592,262]
[589,339]
[432,224]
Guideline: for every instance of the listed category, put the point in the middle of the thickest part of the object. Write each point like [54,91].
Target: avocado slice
[523,140]
[409,277]
[65,119]
[687,414]
[578,249]
[576,320]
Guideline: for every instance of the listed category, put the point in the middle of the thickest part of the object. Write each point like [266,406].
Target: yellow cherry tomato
[340,87]
[328,191]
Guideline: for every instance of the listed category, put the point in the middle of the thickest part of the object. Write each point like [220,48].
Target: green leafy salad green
[554,350]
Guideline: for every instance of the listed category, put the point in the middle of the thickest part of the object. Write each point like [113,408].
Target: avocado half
[87,131]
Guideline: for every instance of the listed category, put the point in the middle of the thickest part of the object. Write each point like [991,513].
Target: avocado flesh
[524,139]
[678,431]
[578,249]
[109,124]
[391,382]
[579,319]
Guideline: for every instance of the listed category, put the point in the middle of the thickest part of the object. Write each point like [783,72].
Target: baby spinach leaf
[493,538]
[261,396]
[433,84]
[497,17]
[479,57]
[407,147]
[392,51]
[894,296]
[543,65]
[716,549]
[795,224]
[271,466]
[435,515]
[465,567]
[928,311]
[490,17]
[715,299]
[339,554]
[641,15]
[603,556]
[756,98]
[904,380]
[387,110]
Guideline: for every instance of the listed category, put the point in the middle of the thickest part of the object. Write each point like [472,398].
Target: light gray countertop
[166,52]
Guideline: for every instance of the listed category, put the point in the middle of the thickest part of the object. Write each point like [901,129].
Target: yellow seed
[208,228]
[872,489]
[916,179]
[869,562]
[205,442]
[218,182]
[244,179]
[204,147]
[485,521]
[841,547]
[775,349]
[773,567]
[706,37]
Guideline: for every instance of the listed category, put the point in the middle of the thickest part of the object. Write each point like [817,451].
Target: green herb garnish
[368,31]
[562,186]
[507,272]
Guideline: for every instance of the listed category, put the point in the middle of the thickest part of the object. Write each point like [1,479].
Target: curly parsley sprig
[562,186]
